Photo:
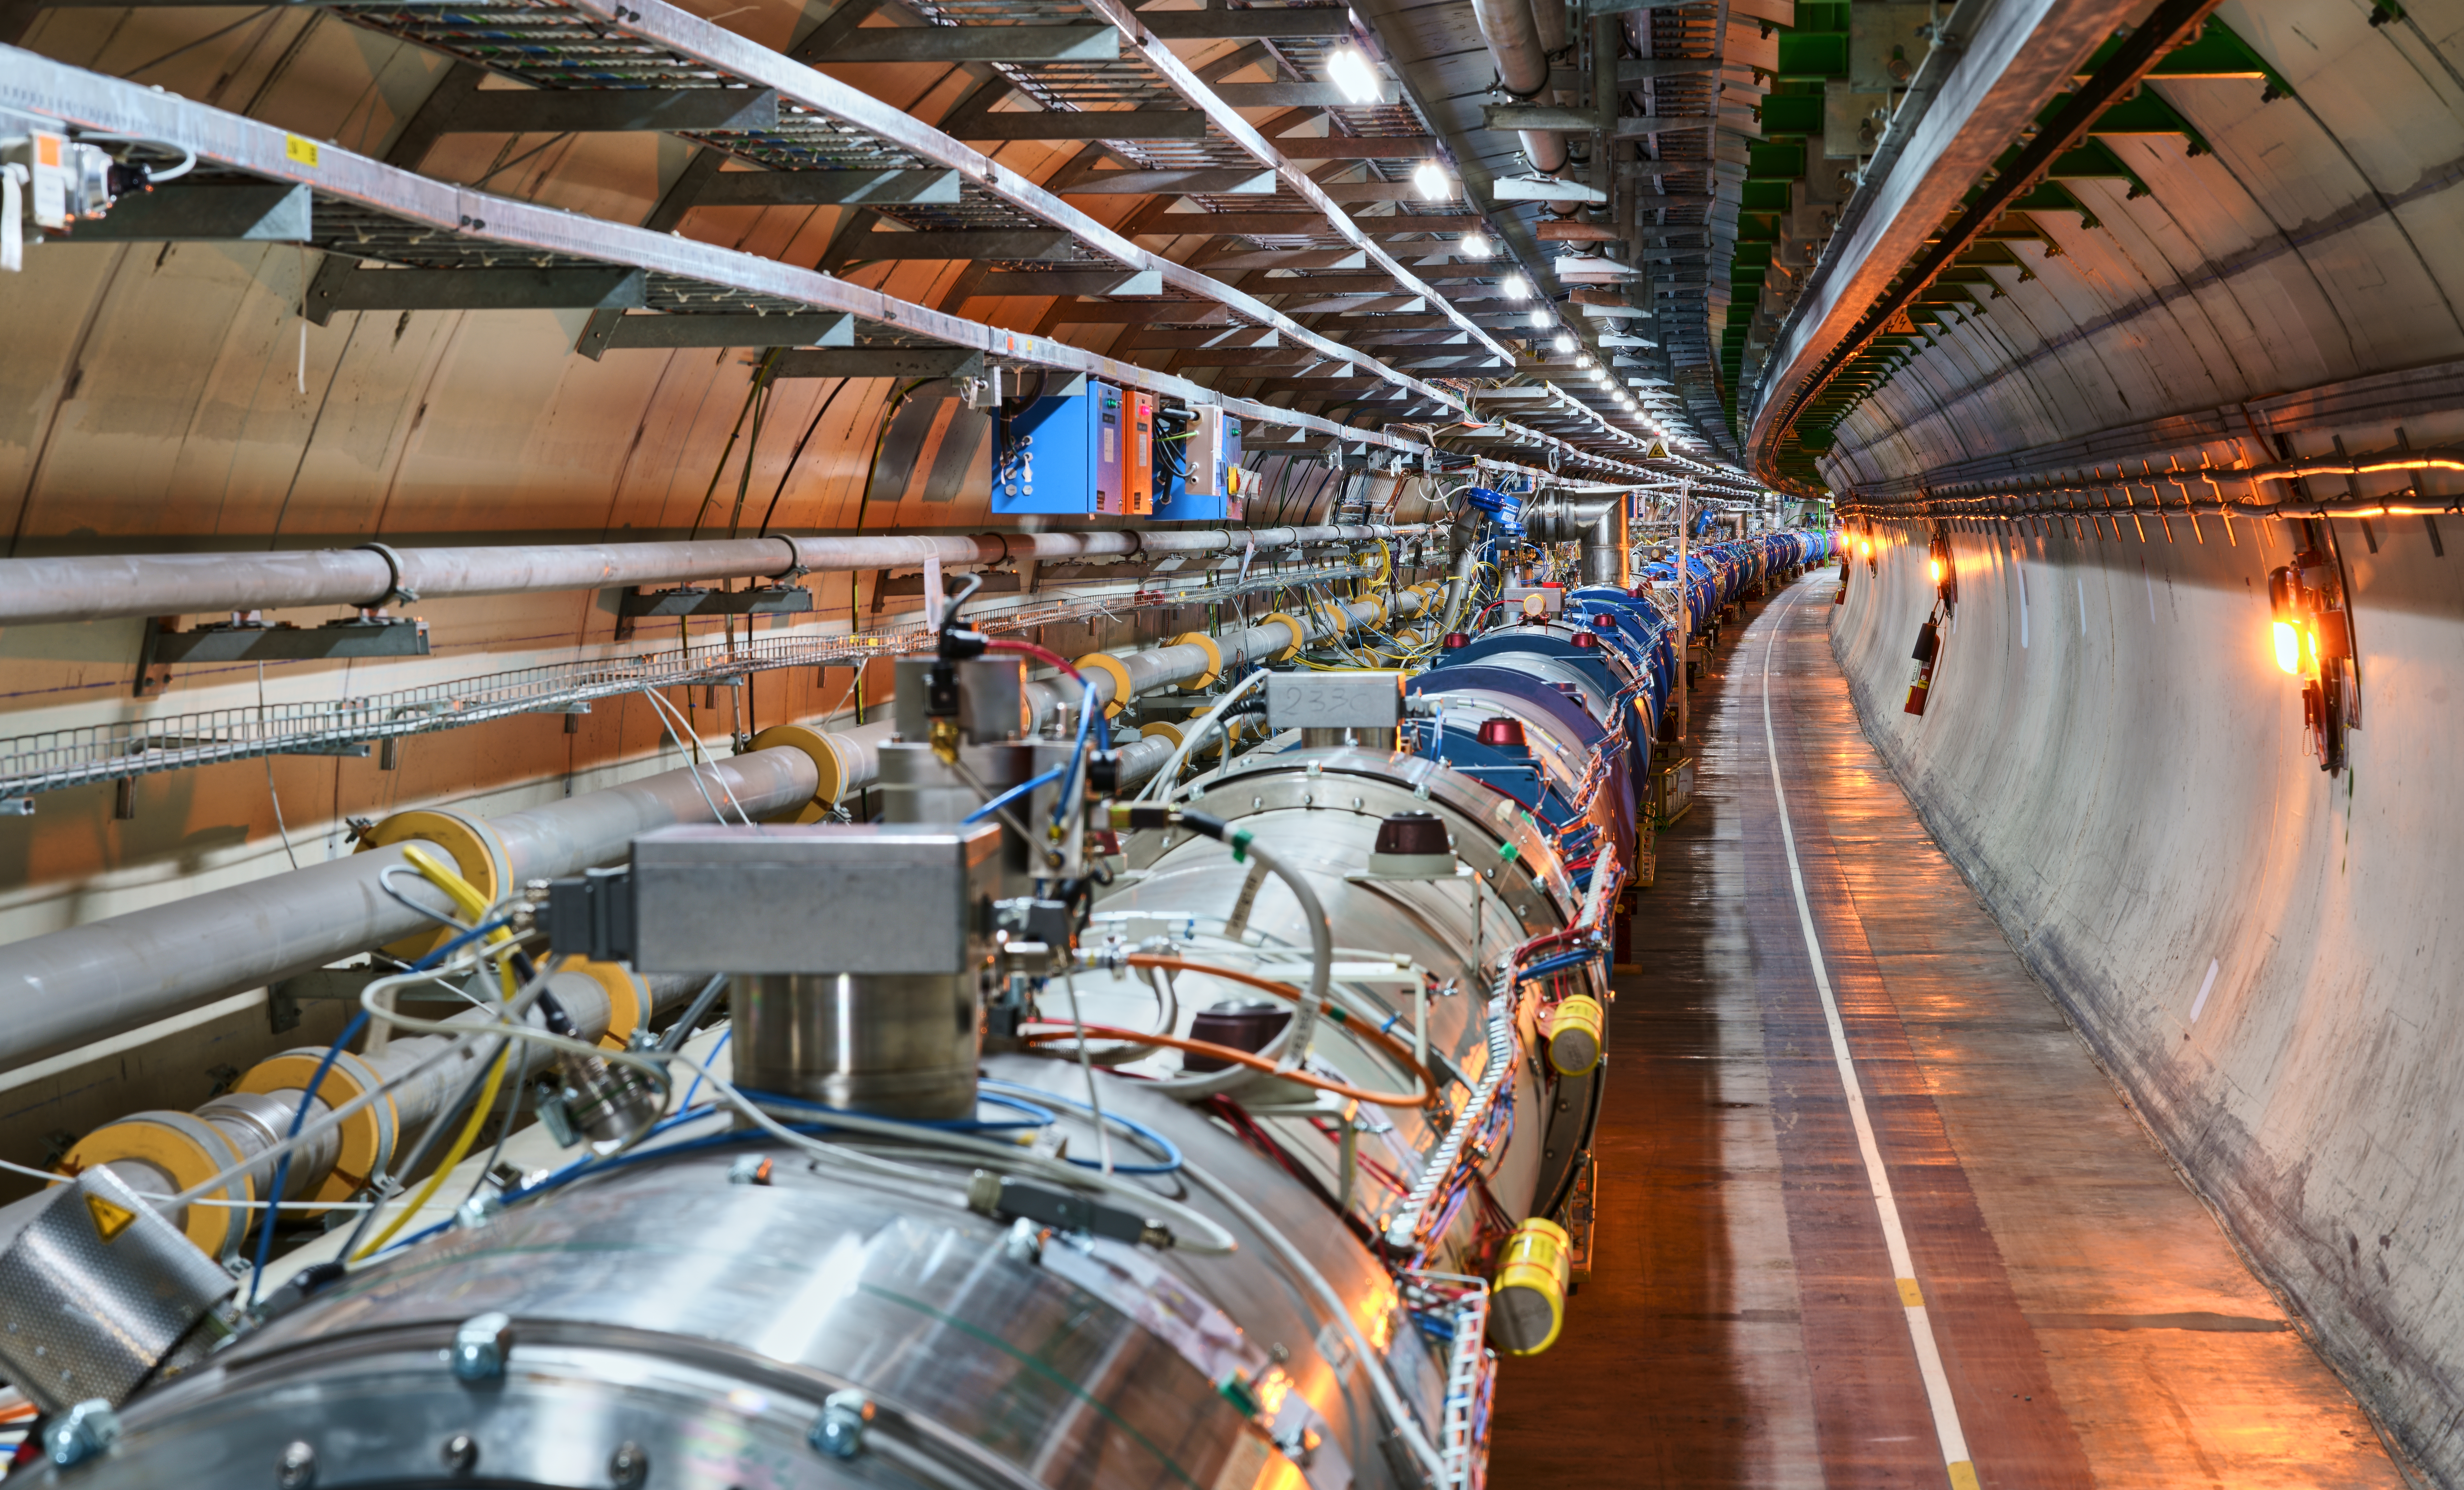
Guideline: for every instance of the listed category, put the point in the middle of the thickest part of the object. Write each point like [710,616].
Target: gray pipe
[41,591]
[1598,526]
[1165,666]
[69,988]
[1522,57]
[72,987]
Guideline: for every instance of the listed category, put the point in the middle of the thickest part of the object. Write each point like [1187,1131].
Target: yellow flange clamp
[1213,659]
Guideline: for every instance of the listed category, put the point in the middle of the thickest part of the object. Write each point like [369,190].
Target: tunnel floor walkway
[1746,1322]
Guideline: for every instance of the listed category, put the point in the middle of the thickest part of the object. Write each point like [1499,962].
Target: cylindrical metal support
[894,1044]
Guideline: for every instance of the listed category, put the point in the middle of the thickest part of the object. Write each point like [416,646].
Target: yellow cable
[467,898]
[453,1156]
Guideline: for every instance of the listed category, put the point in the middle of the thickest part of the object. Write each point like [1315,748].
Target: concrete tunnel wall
[2267,959]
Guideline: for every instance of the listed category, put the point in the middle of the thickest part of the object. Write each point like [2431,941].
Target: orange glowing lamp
[2284,604]
[2288,646]
[1933,567]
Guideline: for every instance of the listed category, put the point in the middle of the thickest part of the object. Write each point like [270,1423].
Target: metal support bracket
[774,600]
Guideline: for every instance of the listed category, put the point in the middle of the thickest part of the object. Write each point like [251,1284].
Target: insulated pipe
[72,987]
[42,591]
[163,1154]
[69,988]
[1515,45]
[1194,659]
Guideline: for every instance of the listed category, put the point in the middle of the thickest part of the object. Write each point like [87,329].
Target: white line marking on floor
[1961,1470]
[2206,986]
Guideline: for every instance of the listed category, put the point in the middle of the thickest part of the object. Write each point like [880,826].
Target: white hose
[1163,779]
[1204,1237]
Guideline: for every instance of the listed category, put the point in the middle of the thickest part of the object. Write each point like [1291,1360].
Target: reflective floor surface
[1743,1323]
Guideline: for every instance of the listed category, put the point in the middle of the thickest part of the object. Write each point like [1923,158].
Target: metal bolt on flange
[629,1466]
[81,1432]
[296,1469]
[839,1431]
[480,1344]
[459,1454]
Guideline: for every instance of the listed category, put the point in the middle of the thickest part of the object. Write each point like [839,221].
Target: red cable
[1042,654]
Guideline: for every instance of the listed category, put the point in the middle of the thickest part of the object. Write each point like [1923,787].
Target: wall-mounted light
[2283,598]
[1353,73]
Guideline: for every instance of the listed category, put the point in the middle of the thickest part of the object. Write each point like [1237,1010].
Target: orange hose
[1401,1052]
[1239,1056]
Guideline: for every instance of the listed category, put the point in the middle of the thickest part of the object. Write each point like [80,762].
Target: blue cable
[1171,1152]
[1012,795]
[317,1084]
[724,1035]
[1563,959]
[1087,710]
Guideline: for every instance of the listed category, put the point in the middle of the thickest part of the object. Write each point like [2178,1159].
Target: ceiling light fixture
[1429,179]
[1565,341]
[1516,287]
[1474,246]
[1540,318]
[1353,73]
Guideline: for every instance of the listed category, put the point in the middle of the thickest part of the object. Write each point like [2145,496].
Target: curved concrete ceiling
[2255,262]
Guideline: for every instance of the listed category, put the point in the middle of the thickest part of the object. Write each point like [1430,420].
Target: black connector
[1013,1199]
[1104,773]
[592,913]
[1205,825]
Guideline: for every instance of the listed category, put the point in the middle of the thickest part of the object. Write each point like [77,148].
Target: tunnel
[1234,744]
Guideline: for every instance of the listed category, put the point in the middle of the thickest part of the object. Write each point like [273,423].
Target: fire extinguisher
[1928,649]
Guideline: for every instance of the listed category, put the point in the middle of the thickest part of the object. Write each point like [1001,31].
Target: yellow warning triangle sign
[1658,452]
[108,1218]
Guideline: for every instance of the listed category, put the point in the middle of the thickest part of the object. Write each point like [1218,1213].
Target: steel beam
[1300,96]
[1294,258]
[1346,148]
[31,83]
[1070,281]
[511,111]
[1154,312]
[1309,225]
[918,361]
[1092,125]
[239,212]
[829,189]
[1159,340]
[1261,23]
[479,290]
[988,243]
[956,44]
[1210,181]
[669,332]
